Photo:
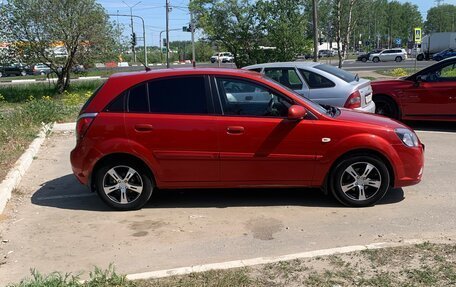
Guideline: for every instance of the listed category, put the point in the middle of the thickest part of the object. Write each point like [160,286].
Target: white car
[397,55]
[324,84]
[224,57]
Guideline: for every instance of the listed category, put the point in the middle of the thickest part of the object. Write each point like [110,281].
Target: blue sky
[153,12]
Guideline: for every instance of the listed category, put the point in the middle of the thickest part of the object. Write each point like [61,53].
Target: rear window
[341,74]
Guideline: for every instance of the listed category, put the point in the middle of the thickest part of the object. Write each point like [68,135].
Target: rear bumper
[369,108]
[83,160]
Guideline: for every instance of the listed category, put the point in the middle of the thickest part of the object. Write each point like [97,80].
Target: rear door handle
[143,127]
[235,130]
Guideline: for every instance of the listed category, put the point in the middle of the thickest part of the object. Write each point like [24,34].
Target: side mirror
[419,79]
[296,112]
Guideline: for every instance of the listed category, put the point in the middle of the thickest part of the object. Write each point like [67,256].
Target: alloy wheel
[122,184]
[360,181]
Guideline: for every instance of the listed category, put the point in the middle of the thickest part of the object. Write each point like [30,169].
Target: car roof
[284,64]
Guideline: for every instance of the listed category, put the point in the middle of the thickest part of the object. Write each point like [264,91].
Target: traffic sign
[398,41]
[417,35]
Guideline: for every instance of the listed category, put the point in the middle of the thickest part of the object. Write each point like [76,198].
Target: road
[54,224]
[350,65]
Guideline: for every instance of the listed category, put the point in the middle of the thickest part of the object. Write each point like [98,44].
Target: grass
[423,265]
[398,72]
[23,110]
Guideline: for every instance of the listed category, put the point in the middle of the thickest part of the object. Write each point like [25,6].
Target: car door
[172,118]
[289,77]
[259,146]
[321,89]
[435,96]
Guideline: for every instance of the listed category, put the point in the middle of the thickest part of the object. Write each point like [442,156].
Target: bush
[399,72]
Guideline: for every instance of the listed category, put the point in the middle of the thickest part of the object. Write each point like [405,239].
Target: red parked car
[430,94]
[227,128]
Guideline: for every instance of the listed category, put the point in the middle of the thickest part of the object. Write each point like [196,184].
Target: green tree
[80,26]
[441,19]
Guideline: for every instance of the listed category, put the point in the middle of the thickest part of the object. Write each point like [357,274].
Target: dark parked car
[15,69]
[227,128]
[444,54]
[365,57]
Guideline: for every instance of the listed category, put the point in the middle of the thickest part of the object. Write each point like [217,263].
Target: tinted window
[137,99]
[245,98]
[186,95]
[341,74]
[286,76]
[316,81]
[256,70]
[117,105]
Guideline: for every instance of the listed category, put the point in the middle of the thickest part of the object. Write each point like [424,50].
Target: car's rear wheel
[364,60]
[23,73]
[420,57]
[386,107]
[1,75]
[398,59]
[124,185]
[360,180]
[376,60]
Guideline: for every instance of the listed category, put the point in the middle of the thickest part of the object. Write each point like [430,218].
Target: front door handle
[143,127]
[235,130]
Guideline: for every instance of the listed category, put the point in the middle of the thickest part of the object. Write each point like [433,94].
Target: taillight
[353,101]
[83,124]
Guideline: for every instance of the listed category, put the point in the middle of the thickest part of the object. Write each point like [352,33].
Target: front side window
[444,74]
[316,81]
[286,76]
[181,95]
[245,98]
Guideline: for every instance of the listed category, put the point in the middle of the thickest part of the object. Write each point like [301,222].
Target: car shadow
[432,126]
[66,193]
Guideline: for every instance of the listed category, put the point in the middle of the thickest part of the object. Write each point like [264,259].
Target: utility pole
[167,34]
[132,29]
[192,26]
[315,30]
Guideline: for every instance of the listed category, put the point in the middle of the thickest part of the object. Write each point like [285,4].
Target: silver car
[324,84]
[397,55]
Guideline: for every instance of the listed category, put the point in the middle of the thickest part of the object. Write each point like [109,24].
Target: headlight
[407,136]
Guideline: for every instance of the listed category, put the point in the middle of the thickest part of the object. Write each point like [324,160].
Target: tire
[23,73]
[364,60]
[1,75]
[387,107]
[398,59]
[212,61]
[42,73]
[376,60]
[114,177]
[420,57]
[359,180]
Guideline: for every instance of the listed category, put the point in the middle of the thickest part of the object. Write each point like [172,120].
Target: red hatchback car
[226,128]
[430,94]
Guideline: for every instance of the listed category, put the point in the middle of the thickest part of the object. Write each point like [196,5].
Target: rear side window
[286,76]
[137,99]
[183,95]
[316,81]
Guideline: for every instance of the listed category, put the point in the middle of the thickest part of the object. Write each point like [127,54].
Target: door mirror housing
[296,112]
[419,79]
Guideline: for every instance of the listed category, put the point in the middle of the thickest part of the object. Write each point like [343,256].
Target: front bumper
[410,169]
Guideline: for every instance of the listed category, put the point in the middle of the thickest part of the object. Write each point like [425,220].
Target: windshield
[311,103]
[341,74]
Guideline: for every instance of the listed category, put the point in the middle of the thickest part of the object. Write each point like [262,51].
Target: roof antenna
[147,68]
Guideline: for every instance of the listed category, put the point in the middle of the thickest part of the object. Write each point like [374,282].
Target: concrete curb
[264,260]
[14,176]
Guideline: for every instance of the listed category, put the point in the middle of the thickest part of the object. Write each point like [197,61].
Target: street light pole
[144,32]
[132,30]
[192,28]
[315,30]
[167,33]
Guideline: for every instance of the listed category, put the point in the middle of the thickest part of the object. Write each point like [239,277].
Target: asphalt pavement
[55,224]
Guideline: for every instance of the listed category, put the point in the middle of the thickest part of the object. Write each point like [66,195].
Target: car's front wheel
[364,60]
[376,60]
[124,185]
[360,180]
